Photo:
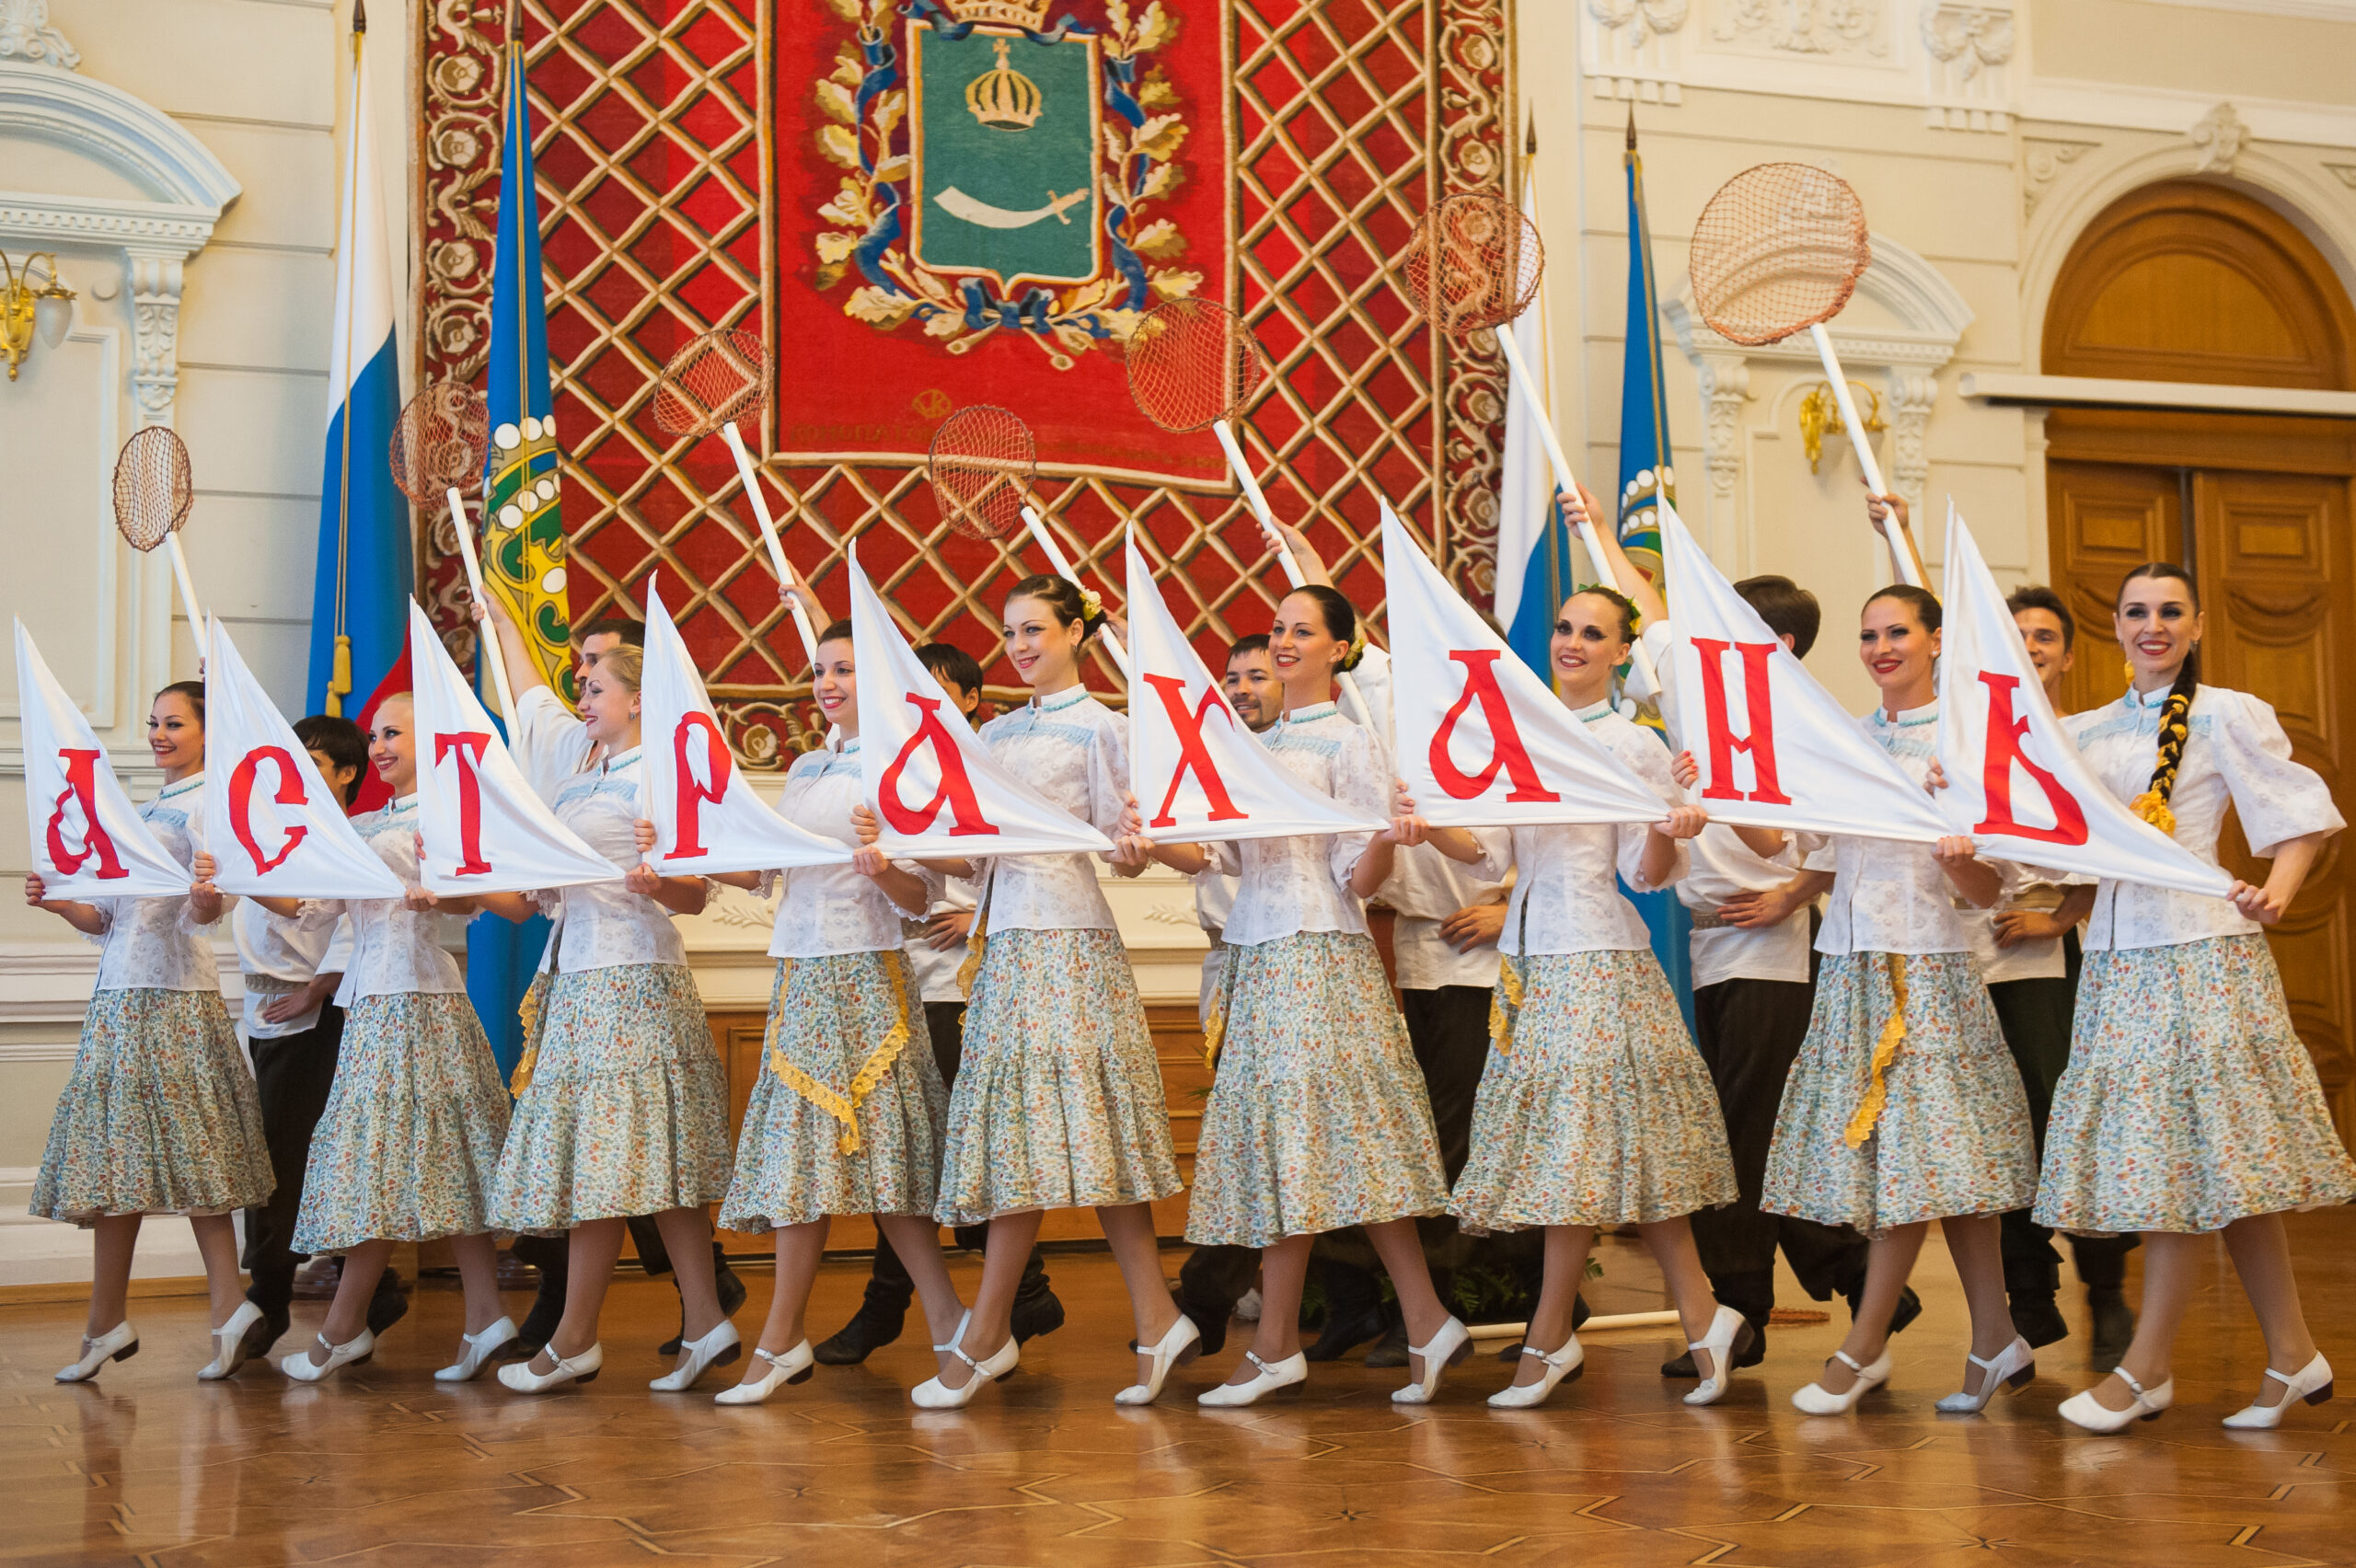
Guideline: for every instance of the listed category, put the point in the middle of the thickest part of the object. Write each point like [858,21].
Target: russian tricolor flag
[360,605]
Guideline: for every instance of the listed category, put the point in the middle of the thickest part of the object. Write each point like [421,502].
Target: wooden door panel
[2106,519]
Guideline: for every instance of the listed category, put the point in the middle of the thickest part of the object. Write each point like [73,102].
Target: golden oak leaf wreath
[864,106]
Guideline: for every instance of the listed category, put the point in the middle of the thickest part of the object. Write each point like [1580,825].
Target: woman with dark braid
[2189,1105]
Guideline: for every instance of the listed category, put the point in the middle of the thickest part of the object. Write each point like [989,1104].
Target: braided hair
[2176,714]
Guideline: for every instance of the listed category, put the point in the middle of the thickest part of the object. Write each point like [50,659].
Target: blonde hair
[625,663]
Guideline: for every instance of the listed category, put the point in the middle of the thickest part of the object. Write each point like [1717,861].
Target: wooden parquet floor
[386,1469]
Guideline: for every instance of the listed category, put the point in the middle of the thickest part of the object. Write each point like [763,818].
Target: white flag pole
[768,535]
[1902,559]
[1046,544]
[496,656]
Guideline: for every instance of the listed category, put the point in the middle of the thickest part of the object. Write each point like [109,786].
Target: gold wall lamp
[1820,416]
[25,310]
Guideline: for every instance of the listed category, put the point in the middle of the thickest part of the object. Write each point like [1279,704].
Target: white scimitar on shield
[957,204]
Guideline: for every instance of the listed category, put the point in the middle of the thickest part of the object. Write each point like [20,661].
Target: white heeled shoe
[717,1348]
[1451,1345]
[2014,1366]
[582,1368]
[1816,1401]
[118,1344]
[2084,1410]
[1568,1360]
[1172,1350]
[233,1343]
[1272,1375]
[2311,1383]
[794,1367]
[1729,1336]
[351,1353]
[478,1350]
[934,1394]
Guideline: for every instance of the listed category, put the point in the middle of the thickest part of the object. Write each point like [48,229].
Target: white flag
[483,828]
[1483,743]
[1775,748]
[277,828]
[2014,780]
[1198,773]
[706,815]
[937,789]
[89,840]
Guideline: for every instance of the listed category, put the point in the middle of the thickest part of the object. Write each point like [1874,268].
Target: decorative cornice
[1898,279]
[134,137]
[25,34]
[29,216]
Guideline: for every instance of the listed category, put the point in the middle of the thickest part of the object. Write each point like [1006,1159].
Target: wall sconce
[25,310]
[1820,416]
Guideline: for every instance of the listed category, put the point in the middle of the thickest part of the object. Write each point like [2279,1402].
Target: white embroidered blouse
[604,925]
[278,956]
[1285,886]
[1565,895]
[395,949]
[1074,750]
[1723,866]
[2235,753]
[831,909]
[1890,897]
[154,944]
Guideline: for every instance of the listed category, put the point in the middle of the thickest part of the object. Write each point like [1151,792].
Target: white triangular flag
[1198,772]
[1483,743]
[2014,780]
[938,791]
[275,826]
[89,840]
[481,826]
[1775,748]
[707,817]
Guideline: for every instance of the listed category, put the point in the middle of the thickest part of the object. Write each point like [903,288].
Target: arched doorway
[2187,280]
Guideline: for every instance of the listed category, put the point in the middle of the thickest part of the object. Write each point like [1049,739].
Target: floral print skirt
[159,1115]
[1597,1109]
[1936,1127]
[847,1116]
[627,1112]
[1318,1118]
[2189,1102]
[1058,1101]
[409,1144]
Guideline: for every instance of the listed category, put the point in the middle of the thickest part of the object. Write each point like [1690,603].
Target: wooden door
[2105,519]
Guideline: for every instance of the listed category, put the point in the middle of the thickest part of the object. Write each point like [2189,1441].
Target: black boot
[389,1305]
[1210,1323]
[876,1324]
[2114,1326]
[726,1283]
[2036,1319]
[1909,1307]
[1390,1350]
[1354,1311]
[1036,1311]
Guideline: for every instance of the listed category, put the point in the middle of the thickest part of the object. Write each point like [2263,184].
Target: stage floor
[387,1468]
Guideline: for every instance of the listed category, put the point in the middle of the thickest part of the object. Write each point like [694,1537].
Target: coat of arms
[1001,173]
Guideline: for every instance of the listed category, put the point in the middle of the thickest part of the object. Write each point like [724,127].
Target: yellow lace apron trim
[843,1108]
[1505,1005]
[534,1019]
[974,944]
[1215,1026]
[1893,1033]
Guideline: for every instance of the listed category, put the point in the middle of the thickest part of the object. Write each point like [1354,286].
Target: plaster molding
[1968,50]
[30,219]
[1634,49]
[2042,161]
[128,134]
[26,34]
[1827,28]
[155,280]
[2220,135]
[2174,111]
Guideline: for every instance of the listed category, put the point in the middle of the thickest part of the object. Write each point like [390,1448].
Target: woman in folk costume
[622,1101]
[847,1114]
[159,1114]
[409,1144]
[1595,1109]
[1318,1118]
[1058,1101]
[1904,1105]
[2189,1105]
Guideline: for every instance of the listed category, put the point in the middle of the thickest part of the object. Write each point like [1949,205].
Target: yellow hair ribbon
[1893,1033]
[2154,810]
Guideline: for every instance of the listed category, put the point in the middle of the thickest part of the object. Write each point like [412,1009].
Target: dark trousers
[1749,1033]
[2036,1016]
[292,1076]
[1448,1027]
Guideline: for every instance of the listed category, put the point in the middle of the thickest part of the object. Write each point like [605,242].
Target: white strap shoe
[1451,1345]
[2014,1366]
[1568,1361]
[233,1343]
[478,1350]
[794,1367]
[2311,1383]
[934,1394]
[717,1348]
[1729,1336]
[352,1352]
[1175,1348]
[118,1344]
[1293,1369]
[1816,1401]
[2084,1410]
[582,1368]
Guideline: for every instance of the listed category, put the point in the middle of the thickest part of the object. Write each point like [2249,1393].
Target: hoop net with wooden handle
[718,378]
[439,444]
[1193,363]
[1777,250]
[1474,263]
[154,488]
[982,464]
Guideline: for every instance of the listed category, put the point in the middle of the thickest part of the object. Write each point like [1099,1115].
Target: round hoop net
[720,377]
[441,442]
[153,487]
[1777,250]
[1474,263]
[981,465]
[1193,363]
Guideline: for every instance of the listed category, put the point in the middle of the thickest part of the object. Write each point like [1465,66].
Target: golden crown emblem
[1004,97]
